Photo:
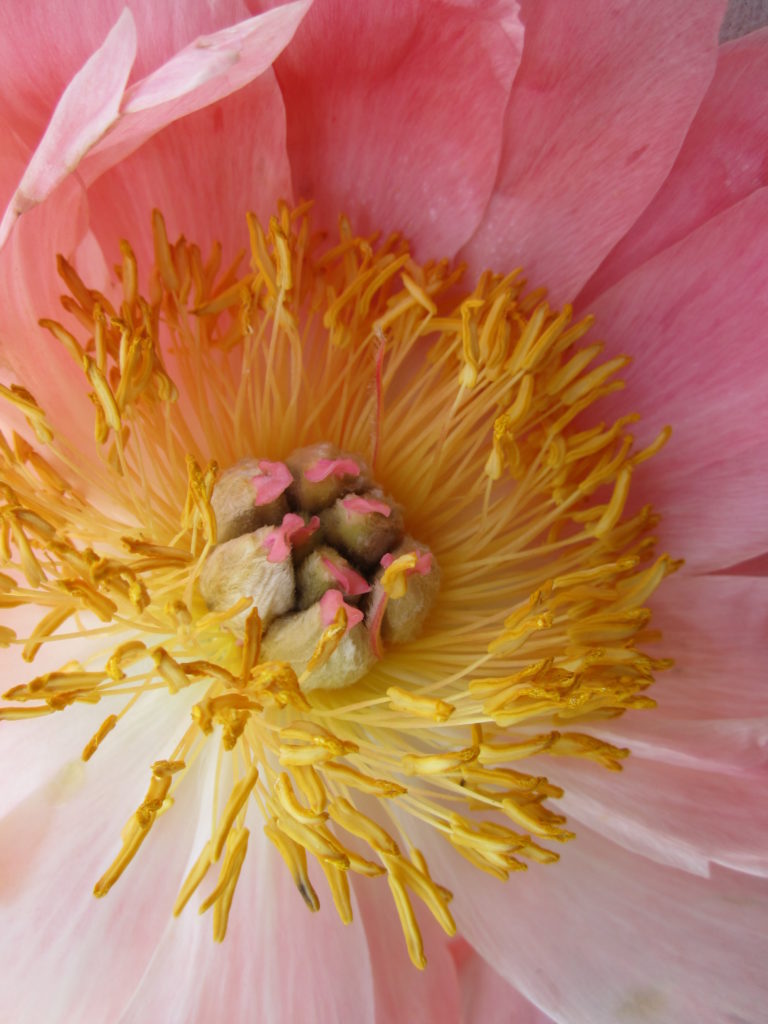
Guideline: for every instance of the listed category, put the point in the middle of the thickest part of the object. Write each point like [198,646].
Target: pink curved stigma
[290,533]
[364,506]
[276,478]
[324,468]
[330,603]
[351,582]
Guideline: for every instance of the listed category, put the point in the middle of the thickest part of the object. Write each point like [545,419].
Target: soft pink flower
[620,157]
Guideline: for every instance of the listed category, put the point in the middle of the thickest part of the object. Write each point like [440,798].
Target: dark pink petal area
[395,113]
[695,316]
[605,935]
[724,158]
[600,105]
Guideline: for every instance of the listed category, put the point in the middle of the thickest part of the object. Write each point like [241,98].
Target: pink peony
[620,157]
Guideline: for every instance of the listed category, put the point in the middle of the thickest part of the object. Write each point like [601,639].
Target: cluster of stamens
[240,607]
[309,540]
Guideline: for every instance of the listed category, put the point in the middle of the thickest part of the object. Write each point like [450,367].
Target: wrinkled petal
[208,70]
[723,159]
[87,108]
[63,42]
[395,113]
[698,334]
[598,110]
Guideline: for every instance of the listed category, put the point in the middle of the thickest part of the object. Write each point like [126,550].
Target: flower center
[368,679]
[321,552]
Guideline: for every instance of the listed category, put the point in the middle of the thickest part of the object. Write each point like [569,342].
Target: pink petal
[713,705]
[685,817]
[63,42]
[430,996]
[605,935]
[206,71]
[728,745]
[87,108]
[279,962]
[30,289]
[599,108]
[395,112]
[694,316]
[55,740]
[486,996]
[229,178]
[13,159]
[723,159]
[716,628]
[757,566]
[57,843]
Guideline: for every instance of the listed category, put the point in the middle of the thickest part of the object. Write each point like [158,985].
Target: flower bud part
[294,639]
[322,474]
[363,526]
[248,495]
[405,590]
[241,567]
[323,570]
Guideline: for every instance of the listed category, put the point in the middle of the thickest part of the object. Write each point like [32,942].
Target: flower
[390,118]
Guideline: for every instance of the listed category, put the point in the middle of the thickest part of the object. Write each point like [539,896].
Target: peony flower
[403,745]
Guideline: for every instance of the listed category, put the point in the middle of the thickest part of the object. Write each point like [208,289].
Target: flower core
[292,564]
[468,411]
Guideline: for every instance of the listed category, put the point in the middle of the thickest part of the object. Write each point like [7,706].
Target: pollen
[350,522]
